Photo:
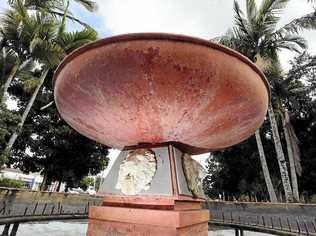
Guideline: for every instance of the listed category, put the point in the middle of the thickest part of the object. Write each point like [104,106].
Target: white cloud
[203,18]
[295,9]
[3,5]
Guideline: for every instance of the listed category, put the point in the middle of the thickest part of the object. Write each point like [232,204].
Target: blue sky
[93,19]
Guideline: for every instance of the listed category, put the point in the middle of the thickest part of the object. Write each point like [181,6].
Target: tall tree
[15,38]
[265,169]
[47,143]
[49,45]
[257,36]
[226,179]
[57,8]
[287,90]
[8,122]
[56,150]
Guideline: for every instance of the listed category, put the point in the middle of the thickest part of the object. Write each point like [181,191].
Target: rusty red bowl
[158,88]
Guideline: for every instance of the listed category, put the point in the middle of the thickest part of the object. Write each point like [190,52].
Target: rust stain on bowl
[158,88]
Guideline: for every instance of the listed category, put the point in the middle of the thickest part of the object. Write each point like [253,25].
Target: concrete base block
[124,221]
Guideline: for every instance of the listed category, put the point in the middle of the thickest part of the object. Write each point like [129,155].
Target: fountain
[160,98]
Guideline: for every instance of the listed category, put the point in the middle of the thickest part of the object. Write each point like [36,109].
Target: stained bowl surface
[156,88]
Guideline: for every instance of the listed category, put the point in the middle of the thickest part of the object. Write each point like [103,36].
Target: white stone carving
[137,171]
[194,174]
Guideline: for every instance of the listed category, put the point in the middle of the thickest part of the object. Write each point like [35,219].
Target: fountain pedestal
[154,88]
[168,207]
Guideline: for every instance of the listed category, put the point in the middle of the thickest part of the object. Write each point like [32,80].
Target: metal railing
[39,211]
[271,224]
[14,214]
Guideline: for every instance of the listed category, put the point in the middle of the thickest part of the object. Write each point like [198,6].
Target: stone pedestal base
[125,221]
[167,208]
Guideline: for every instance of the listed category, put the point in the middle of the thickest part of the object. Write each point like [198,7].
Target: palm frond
[8,59]
[20,8]
[269,15]
[272,7]
[305,22]
[44,5]
[291,42]
[30,84]
[56,8]
[47,52]
[240,21]
[251,10]
[62,26]
[88,4]
[73,40]
[25,71]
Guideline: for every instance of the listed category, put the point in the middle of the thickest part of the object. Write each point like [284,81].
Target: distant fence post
[289,224]
[314,226]
[25,211]
[2,211]
[34,210]
[14,229]
[52,211]
[306,227]
[298,226]
[44,208]
[6,229]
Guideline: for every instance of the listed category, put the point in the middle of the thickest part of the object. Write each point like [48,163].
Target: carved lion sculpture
[137,171]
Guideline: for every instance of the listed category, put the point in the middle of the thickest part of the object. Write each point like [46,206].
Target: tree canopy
[236,172]
[33,43]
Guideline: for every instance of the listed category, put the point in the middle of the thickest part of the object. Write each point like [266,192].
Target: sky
[200,18]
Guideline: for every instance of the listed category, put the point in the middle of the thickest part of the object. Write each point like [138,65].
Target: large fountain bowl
[157,88]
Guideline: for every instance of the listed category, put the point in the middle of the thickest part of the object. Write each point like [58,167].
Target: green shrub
[11,183]
[86,182]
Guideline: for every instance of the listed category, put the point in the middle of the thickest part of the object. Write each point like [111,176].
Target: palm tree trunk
[25,114]
[280,156]
[6,85]
[292,162]
[266,173]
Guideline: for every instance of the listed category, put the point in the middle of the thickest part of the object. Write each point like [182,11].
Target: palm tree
[16,42]
[265,169]
[287,91]
[48,46]
[257,36]
[9,62]
[57,8]
[14,45]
